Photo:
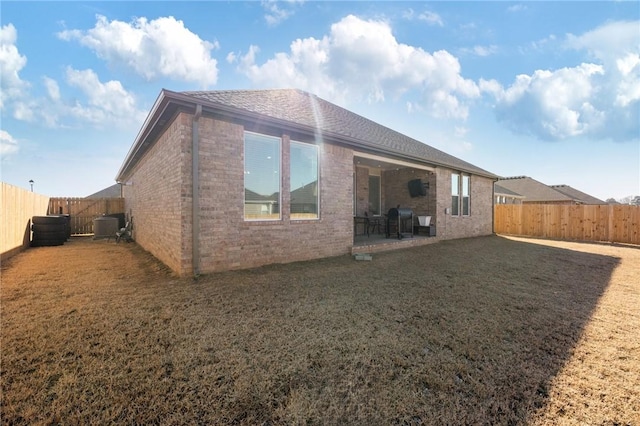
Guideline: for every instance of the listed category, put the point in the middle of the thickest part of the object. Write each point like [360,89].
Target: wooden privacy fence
[83,211]
[612,223]
[17,207]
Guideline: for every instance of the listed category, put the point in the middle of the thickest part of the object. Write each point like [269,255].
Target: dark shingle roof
[577,195]
[533,190]
[113,191]
[305,194]
[497,189]
[302,109]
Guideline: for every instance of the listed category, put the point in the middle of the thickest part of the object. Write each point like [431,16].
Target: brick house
[578,196]
[220,180]
[503,195]
[531,191]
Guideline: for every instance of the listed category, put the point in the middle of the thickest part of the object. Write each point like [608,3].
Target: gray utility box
[105,227]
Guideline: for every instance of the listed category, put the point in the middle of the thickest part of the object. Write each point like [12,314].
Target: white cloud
[431,18]
[8,145]
[490,86]
[517,8]
[485,50]
[105,102]
[617,46]
[541,44]
[481,50]
[627,64]
[53,90]
[25,110]
[553,104]
[629,87]
[361,59]
[11,63]
[608,42]
[599,99]
[99,104]
[460,132]
[160,47]
[276,13]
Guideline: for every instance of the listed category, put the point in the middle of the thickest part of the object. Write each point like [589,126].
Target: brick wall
[227,241]
[159,199]
[396,191]
[479,222]
[156,197]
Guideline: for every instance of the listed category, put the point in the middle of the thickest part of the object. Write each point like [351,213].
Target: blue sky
[549,90]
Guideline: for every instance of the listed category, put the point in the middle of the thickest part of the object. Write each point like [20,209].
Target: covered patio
[392,200]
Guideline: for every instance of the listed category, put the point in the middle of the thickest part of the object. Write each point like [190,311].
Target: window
[261,177]
[461,195]
[455,194]
[355,194]
[304,180]
[466,193]
[374,195]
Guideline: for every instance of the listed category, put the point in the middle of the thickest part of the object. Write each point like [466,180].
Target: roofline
[581,197]
[534,199]
[166,97]
[137,144]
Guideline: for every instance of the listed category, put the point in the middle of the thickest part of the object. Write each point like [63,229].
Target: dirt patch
[485,331]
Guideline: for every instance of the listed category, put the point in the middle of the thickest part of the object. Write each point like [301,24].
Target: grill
[400,223]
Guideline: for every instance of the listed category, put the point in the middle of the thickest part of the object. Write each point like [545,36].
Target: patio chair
[376,225]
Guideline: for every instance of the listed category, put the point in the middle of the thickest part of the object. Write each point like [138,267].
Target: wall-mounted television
[417,188]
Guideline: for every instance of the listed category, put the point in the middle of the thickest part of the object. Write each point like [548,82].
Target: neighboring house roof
[295,110]
[113,191]
[532,190]
[306,194]
[250,195]
[500,190]
[577,195]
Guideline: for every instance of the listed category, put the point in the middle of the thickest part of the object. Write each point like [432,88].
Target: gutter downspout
[493,207]
[195,198]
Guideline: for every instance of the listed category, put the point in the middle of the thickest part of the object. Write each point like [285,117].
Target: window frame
[455,194]
[458,197]
[317,174]
[279,172]
[466,186]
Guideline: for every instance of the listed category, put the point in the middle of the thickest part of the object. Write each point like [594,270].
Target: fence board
[83,211]
[18,207]
[613,223]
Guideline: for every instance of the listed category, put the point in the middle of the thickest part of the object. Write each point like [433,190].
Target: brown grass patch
[480,331]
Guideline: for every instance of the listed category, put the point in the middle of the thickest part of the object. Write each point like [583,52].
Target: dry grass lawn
[488,330]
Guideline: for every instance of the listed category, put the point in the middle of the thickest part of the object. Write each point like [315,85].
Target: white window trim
[244,156]
[462,176]
[460,195]
[317,148]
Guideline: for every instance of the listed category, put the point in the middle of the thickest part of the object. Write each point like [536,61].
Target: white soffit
[388,161]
